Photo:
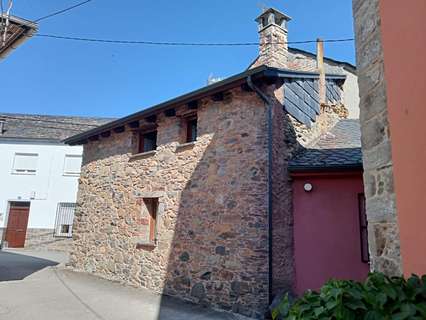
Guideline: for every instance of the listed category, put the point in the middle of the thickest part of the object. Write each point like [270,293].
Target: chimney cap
[272,16]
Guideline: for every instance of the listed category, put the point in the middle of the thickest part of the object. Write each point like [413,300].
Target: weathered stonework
[212,234]
[378,169]
[212,225]
[44,239]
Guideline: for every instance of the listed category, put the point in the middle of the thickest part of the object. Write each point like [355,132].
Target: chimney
[273,49]
[321,71]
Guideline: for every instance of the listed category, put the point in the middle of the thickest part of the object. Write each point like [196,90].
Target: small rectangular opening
[147,141]
[65,228]
[152,207]
[191,129]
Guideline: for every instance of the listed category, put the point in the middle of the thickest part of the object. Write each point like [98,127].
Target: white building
[39,178]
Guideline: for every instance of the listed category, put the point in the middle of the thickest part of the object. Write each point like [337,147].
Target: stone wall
[43,239]
[378,170]
[212,226]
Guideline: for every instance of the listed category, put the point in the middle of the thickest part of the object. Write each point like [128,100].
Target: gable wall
[304,62]
[212,224]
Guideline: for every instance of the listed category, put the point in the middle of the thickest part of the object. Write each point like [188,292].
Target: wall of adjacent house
[212,223]
[403,26]
[376,140]
[327,229]
[44,188]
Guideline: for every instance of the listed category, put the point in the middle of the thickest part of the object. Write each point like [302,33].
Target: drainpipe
[268,104]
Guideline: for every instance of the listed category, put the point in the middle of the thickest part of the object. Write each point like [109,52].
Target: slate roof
[45,127]
[338,149]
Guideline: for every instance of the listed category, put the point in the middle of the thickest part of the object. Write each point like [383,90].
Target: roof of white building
[45,127]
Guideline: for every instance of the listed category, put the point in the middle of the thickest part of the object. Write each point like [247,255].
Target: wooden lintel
[218,96]
[245,87]
[119,129]
[134,124]
[105,134]
[170,112]
[193,104]
[94,138]
[151,119]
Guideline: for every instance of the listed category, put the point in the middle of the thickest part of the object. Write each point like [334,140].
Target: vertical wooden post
[321,70]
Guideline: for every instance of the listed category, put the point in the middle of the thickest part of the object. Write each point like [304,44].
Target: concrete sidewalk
[57,293]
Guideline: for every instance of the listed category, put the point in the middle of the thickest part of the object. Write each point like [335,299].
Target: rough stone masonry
[376,146]
[211,243]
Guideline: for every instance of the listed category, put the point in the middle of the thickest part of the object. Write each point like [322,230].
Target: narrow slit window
[152,207]
[363,227]
[191,129]
[147,141]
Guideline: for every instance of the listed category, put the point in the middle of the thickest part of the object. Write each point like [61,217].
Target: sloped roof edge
[228,83]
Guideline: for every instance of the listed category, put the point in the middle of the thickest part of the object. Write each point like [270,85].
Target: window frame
[140,148]
[190,137]
[25,171]
[363,228]
[152,205]
[65,212]
[72,174]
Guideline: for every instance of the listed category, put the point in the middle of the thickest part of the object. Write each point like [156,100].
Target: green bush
[379,297]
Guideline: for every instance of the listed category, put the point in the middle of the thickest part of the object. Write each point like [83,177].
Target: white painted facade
[52,182]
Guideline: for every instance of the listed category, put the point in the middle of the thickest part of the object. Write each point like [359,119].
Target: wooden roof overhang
[19,30]
[215,91]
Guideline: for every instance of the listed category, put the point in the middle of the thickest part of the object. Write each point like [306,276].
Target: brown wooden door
[17,223]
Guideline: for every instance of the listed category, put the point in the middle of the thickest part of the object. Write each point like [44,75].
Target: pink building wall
[326,226]
[404,48]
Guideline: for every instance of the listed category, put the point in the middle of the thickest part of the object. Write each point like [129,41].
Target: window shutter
[72,164]
[25,162]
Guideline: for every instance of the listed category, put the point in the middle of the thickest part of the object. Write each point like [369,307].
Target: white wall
[351,94]
[49,185]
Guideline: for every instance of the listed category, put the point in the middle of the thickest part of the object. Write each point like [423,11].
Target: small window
[363,226]
[191,129]
[64,219]
[25,163]
[152,207]
[72,165]
[65,228]
[147,141]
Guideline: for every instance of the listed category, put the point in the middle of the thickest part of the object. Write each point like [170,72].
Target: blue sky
[47,76]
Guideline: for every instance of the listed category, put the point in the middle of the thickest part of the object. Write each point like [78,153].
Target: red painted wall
[326,227]
[403,29]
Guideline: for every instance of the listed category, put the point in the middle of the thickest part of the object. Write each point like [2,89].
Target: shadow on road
[18,266]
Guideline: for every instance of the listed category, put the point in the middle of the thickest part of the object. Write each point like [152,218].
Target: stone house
[192,197]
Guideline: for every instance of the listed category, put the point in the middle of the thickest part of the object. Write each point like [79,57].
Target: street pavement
[54,292]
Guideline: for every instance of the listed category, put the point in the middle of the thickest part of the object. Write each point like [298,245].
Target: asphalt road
[53,292]
[14,266]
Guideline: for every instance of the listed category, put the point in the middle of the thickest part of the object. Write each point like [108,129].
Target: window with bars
[363,227]
[64,219]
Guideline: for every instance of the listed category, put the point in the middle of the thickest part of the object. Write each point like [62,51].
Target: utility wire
[62,11]
[199,44]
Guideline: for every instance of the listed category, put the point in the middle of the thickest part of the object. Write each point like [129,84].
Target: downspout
[268,104]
